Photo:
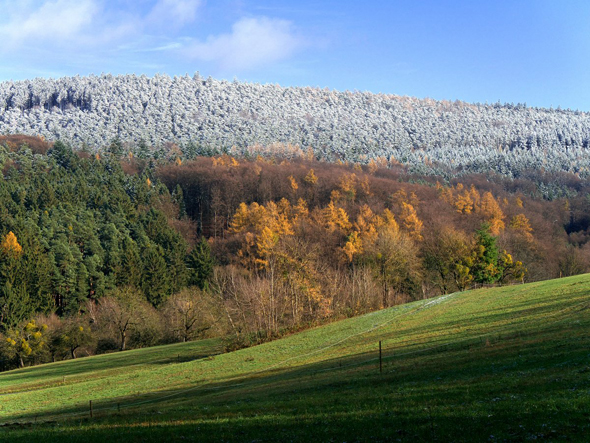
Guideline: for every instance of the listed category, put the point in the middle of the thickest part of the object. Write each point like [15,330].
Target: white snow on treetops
[197,113]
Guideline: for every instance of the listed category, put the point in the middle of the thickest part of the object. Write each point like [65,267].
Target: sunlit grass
[499,364]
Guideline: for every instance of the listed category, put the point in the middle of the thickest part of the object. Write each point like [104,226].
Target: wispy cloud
[174,12]
[87,23]
[167,47]
[95,33]
[253,42]
[50,21]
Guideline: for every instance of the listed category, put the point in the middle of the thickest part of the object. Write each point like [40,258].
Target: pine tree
[155,283]
[485,268]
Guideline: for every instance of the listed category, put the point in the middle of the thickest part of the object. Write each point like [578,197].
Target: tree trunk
[123,340]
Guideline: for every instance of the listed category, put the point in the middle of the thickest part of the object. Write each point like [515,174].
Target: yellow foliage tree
[445,193]
[311,178]
[372,167]
[389,223]
[464,203]
[475,197]
[411,221]
[293,183]
[347,186]
[364,218]
[10,245]
[367,223]
[353,246]
[399,197]
[493,213]
[365,187]
[300,210]
[226,160]
[381,162]
[275,217]
[265,243]
[521,224]
[335,218]
[240,219]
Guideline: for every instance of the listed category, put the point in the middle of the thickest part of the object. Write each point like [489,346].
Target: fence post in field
[380,359]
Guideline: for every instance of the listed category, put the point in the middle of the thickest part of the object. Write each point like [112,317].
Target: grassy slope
[488,365]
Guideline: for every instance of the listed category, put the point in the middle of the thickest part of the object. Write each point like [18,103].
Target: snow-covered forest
[202,114]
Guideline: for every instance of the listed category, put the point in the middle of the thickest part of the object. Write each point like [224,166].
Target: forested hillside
[205,115]
[108,251]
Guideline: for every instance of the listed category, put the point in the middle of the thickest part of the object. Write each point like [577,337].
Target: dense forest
[106,251]
[204,115]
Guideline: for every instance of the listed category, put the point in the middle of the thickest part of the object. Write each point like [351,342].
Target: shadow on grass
[362,425]
[369,408]
[513,390]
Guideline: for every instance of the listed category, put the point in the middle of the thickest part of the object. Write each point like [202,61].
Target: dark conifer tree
[200,264]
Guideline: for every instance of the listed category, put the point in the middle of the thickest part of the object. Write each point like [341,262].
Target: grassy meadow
[502,364]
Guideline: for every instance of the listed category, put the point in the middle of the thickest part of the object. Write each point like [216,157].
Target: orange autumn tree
[353,246]
[492,213]
[335,218]
[226,161]
[411,221]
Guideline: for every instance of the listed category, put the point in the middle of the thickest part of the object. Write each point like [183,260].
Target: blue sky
[532,51]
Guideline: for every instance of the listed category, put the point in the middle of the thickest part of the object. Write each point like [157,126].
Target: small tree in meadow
[26,342]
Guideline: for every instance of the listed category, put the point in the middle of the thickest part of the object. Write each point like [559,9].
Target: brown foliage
[37,144]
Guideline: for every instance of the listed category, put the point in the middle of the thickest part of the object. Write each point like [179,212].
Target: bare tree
[189,314]
[122,311]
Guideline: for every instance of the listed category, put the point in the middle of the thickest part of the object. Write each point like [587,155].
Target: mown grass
[505,364]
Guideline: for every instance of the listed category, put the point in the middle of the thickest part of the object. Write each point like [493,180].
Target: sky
[517,51]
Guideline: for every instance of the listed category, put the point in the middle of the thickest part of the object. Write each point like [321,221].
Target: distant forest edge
[110,251]
[202,116]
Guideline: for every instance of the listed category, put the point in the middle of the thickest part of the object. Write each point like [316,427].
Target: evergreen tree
[485,267]
[155,281]
[200,264]
[116,147]
[178,197]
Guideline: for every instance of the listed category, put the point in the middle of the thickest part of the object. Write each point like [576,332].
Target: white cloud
[174,12]
[253,42]
[98,34]
[55,21]
[86,23]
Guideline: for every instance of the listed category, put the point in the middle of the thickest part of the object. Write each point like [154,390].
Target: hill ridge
[202,115]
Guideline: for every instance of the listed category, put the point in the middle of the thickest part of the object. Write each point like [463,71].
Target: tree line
[108,251]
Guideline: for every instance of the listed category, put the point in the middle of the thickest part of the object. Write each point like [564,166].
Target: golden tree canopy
[10,244]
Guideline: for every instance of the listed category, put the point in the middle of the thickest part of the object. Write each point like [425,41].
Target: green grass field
[505,364]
